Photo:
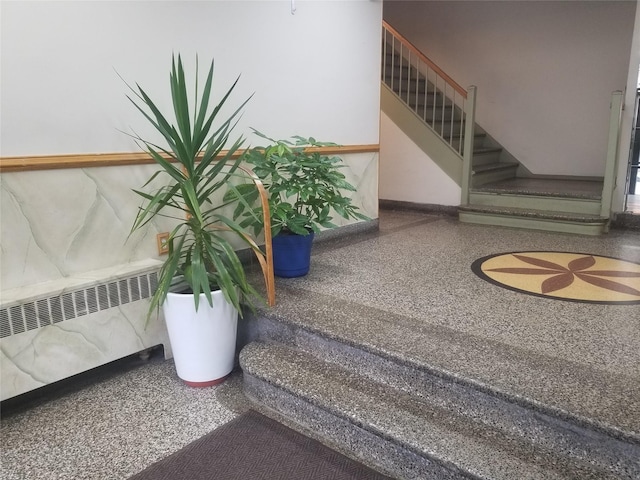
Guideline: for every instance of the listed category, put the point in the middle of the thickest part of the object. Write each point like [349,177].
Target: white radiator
[54,330]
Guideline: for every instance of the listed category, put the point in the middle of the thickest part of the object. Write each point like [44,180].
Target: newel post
[615,116]
[467,153]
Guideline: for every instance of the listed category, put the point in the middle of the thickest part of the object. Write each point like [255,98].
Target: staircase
[568,206]
[499,190]
[396,393]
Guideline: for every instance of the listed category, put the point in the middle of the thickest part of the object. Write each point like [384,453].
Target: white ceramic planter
[203,342]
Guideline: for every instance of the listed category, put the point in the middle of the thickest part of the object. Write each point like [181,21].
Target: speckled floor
[417,265]
[112,428]
[582,358]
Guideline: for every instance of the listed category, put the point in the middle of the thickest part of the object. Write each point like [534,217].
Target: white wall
[544,70]
[315,73]
[407,174]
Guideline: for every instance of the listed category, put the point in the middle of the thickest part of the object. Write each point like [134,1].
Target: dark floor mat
[253,446]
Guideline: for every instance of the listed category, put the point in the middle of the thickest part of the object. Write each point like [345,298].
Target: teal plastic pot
[291,254]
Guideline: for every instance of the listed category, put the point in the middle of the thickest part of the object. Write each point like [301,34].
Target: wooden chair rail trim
[87,160]
[426,60]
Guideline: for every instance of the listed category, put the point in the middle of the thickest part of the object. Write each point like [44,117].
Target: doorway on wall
[633,175]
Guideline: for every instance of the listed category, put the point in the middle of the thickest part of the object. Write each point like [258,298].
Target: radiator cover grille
[47,311]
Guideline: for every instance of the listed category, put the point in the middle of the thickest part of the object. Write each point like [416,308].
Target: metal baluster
[453,114]
[383,67]
[393,63]
[444,101]
[415,109]
[426,94]
[435,99]
[462,118]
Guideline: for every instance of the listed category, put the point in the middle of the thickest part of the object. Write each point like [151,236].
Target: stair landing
[550,204]
[407,295]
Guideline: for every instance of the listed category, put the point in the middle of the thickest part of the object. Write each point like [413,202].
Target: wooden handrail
[267,266]
[87,160]
[266,262]
[426,60]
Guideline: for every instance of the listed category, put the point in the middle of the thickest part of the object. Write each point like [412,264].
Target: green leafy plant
[194,169]
[305,187]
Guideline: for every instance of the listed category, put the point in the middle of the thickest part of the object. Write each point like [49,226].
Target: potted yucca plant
[202,283]
[306,187]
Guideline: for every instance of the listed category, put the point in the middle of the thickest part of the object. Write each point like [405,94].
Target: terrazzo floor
[577,357]
[116,424]
[110,426]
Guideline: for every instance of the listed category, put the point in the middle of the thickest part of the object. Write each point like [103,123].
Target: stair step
[554,417]
[448,129]
[429,114]
[493,171]
[395,72]
[529,212]
[566,203]
[557,221]
[490,167]
[406,89]
[394,428]
[579,189]
[487,158]
[478,140]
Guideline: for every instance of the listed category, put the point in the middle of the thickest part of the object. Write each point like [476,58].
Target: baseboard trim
[626,221]
[449,210]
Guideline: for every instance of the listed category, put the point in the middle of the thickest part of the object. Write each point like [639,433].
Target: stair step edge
[512,414]
[486,150]
[492,167]
[403,420]
[533,213]
[497,190]
[293,327]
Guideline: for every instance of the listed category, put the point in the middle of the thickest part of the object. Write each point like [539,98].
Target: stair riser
[448,128]
[483,178]
[478,141]
[399,76]
[472,401]
[408,77]
[413,96]
[551,204]
[366,446]
[430,113]
[401,71]
[439,124]
[486,158]
[440,116]
[534,223]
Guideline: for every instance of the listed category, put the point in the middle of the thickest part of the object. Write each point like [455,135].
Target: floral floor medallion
[579,277]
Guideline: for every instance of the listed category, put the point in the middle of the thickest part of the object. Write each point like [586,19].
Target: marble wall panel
[57,223]
[361,171]
[38,357]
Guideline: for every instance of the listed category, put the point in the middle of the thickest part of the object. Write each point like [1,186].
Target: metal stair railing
[436,99]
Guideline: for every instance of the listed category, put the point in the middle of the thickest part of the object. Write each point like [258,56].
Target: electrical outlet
[163,243]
